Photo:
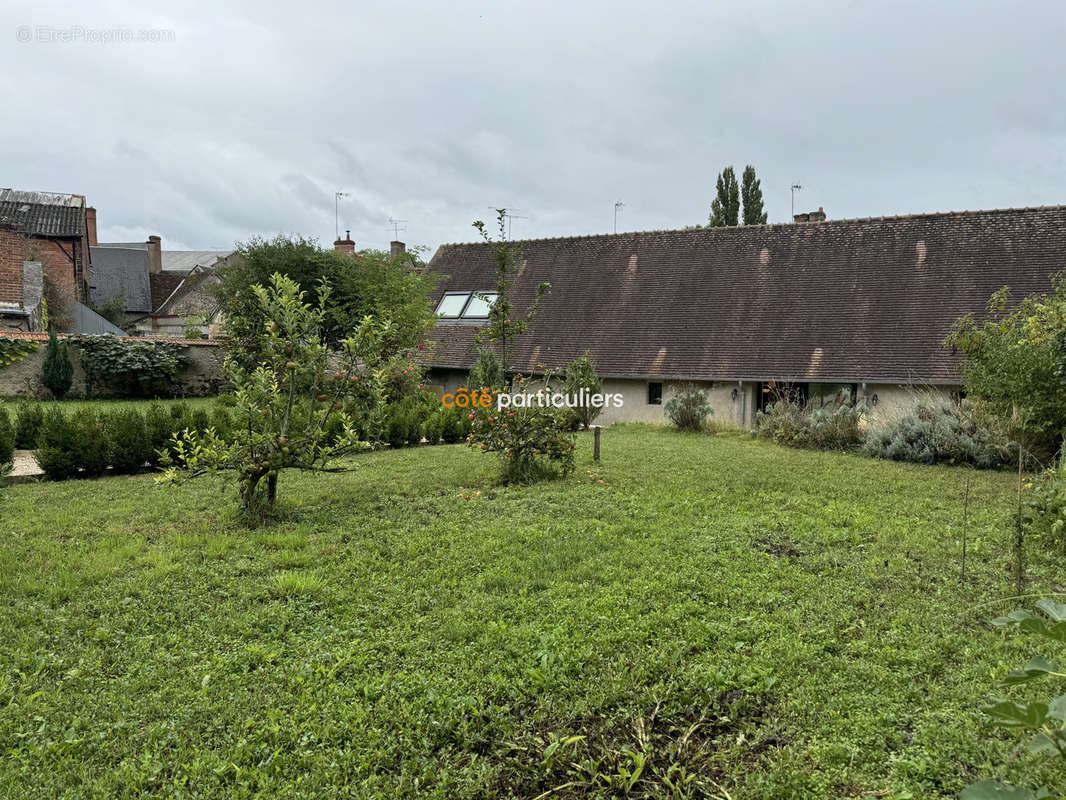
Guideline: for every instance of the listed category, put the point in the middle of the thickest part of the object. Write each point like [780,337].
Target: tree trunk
[272,488]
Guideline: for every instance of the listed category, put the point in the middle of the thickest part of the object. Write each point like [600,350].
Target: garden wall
[202,376]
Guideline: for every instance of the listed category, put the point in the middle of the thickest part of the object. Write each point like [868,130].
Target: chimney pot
[345,245]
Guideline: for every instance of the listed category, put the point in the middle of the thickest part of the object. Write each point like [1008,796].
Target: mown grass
[697,616]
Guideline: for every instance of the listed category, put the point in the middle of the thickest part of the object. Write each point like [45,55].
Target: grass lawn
[714,614]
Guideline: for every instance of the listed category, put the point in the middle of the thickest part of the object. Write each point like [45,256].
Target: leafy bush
[793,425]
[30,417]
[433,427]
[128,437]
[936,430]
[92,448]
[141,368]
[581,374]
[57,371]
[222,422]
[1046,507]
[1044,721]
[487,371]
[1013,361]
[688,409]
[160,427]
[7,437]
[56,446]
[455,425]
[535,441]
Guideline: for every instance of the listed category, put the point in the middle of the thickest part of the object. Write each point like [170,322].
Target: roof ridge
[695,228]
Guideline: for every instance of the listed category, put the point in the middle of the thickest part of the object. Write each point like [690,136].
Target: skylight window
[452,304]
[479,305]
[465,305]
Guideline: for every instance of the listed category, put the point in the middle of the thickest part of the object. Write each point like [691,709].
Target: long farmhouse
[815,306]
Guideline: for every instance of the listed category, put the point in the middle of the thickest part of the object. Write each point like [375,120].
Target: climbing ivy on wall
[14,350]
[131,367]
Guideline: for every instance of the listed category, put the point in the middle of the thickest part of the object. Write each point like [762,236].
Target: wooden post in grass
[595,442]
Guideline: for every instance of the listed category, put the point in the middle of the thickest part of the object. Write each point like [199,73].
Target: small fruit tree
[302,407]
[534,438]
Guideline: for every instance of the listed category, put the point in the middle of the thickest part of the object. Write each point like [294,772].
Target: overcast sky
[256,113]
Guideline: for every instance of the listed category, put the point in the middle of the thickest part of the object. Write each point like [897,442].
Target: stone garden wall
[202,376]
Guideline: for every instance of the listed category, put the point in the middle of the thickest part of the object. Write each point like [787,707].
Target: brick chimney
[155,255]
[345,245]
[90,225]
[396,250]
[810,216]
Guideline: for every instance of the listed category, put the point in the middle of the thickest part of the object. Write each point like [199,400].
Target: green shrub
[793,425]
[160,427]
[56,446]
[57,373]
[1046,508]
[455,426]
[936,430]
[142,368]
[581,375]
[92,447]
[29,418]
[432,427]
[7,437]
[688,409]
[198,420]
[222,422]
[179,411]
[128,436]
[487,372]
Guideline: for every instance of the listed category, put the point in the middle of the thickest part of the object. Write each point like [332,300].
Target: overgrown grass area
[705,616]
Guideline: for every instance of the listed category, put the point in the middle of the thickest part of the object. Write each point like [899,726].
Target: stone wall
[202,376]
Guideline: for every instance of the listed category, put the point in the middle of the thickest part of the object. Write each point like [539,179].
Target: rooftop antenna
[397,226]
[617,206]
[337,211]
[509,216]
[794,187]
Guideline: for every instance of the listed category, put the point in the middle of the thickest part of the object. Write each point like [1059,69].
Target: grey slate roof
[845,300]
[121,271]
[186,260]
[45,214]
[88,321]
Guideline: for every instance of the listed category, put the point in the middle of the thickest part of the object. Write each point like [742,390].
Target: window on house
[479,304]
[655,394]
[452,304]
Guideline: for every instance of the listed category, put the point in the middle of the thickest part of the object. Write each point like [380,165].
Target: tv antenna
[509,216]
[397,226]
[337,211]
[793,188]
[617,206]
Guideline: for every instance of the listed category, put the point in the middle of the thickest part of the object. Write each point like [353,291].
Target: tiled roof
[163,285]
[43,213]
[850,300]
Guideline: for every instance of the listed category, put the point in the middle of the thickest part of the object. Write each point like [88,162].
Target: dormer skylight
[465,305]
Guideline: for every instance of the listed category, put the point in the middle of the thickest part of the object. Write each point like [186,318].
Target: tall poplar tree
[751,193]
[725,209]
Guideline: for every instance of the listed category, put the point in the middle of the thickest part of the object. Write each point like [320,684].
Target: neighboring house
[120,286]
[55,230]
[181,297]
[815,306]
